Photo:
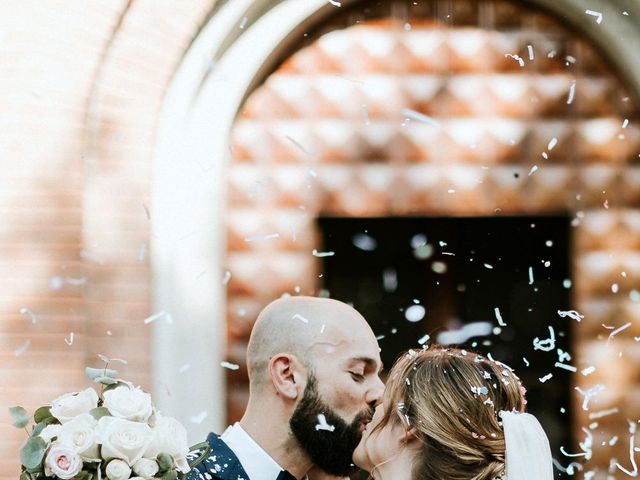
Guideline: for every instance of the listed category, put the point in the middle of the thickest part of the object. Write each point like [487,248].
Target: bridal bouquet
[116,434]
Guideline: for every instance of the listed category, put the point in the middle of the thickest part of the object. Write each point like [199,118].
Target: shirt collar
[255,461]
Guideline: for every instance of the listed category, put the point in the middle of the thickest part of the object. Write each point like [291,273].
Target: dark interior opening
[460,270]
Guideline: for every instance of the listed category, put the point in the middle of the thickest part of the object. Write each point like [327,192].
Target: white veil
[528,456]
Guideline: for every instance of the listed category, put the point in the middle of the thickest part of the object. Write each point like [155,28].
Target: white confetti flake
[589,394]
[390,280]
[614,288]
[22,348]
[547,344]
[552,143]
[593,13]
[229,365]
[488,266]
[516,57]
[335,3]
[32,316]
[243,23]
[323,425]
[571,314]
[69,340]
[297,316]
[420,117]
[226,278]
[588,370]
[424,339]
[415,313]
[499,317]
[318,254]
[530,275]
[632,460]
[154,317]
[625,124]
[439,267]
[198,419]
[533,169]
[269,236]
[564,366]
[603,413]
[572,93]
[617,331]
[548,376]
[526,362]
[530,50]
[364,242]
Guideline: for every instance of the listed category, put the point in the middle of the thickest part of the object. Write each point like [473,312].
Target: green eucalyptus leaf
[38,427]
[33,452]
[20,415]
[42,413]
[165,462]
[105,380]
[99,412]
[83,475]
[94,373]
[169,475]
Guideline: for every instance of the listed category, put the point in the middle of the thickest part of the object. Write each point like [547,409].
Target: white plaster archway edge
[188,192]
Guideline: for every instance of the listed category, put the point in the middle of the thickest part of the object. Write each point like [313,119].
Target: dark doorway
[412,277]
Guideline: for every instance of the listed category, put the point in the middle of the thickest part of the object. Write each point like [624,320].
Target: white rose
[71,405]
[118,470]
[62,461]
[123,439]
[128,403]
[49,432]
[169,436]
[146,468]
[80,434]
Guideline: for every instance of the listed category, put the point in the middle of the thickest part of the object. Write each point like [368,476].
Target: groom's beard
[330,451]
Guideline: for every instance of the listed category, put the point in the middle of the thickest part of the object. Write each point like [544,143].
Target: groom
[313,384]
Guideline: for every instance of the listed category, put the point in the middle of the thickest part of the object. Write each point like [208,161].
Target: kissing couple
[318,409]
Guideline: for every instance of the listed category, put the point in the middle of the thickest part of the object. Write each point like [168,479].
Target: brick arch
[326,134]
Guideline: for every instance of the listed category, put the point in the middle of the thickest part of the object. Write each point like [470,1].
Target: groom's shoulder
[213,459]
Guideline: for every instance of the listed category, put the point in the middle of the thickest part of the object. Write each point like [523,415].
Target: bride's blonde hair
[451,398]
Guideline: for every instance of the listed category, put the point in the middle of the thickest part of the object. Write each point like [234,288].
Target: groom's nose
[374,394]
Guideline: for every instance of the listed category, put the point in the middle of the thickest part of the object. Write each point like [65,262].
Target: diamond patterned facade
[446,108]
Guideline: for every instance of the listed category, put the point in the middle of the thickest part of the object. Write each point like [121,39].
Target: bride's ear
[409,436]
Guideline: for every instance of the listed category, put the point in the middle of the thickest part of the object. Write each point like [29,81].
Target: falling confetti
[516,58]
[364,242]
[262,237]
[546,377]
[564,366]
[415,313]
[69,340]
[335,3]
[572,92]
[593,13]
[226,278]
[547,344]
[530,275]
[297,316]
[588,370]
[499,317]
[420,117]
[533,169]
[22,348]
[617,331]
[30,314]
[243,23]
[154,317]
[318,254]
[571,314]
[424,339]
[229,365]
[390,280]
[552,143]
[593,391]
[473,329]
[530,50]
[323,425]
[603,413]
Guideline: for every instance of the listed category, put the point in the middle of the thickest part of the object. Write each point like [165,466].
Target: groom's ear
[284,376]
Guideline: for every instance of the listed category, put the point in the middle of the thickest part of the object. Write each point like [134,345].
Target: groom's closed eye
[358,377]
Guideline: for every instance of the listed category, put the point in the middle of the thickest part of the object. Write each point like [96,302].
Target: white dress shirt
[255,461]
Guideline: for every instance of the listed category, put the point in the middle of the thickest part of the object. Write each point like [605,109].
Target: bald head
[301,326]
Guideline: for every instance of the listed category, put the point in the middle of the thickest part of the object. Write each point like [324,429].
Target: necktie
[284,475]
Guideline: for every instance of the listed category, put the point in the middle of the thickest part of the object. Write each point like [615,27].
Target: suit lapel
[220,463]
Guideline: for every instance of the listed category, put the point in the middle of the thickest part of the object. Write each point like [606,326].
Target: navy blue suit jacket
[214,459]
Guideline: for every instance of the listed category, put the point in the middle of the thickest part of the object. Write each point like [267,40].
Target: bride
[455,415]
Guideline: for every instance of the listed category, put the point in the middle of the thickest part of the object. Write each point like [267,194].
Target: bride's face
[378,445]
